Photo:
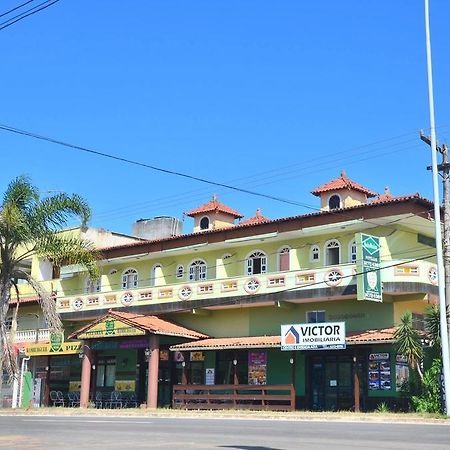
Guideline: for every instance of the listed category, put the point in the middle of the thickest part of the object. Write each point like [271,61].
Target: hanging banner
[368,267]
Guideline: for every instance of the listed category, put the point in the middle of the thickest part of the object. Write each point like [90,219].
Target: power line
[30,12]
[17,7]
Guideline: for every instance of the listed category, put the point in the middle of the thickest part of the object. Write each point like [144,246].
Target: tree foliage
[31,226]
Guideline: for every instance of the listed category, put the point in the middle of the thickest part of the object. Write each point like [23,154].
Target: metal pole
[437,221]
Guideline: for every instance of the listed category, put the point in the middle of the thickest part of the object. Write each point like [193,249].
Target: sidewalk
[342,416]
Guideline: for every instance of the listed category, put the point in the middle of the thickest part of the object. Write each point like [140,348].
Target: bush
[429,400]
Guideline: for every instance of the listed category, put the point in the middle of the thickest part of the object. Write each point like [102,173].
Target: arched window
[334,202]
[352,252]
[283,259]
[92,286]
[332,252]
[155,274]
[256,263]
[180,271]
[197,270]
[314,254]
[130,279]
[204,223]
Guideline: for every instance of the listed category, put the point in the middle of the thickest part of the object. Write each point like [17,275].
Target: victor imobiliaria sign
[313,336]
[368,267]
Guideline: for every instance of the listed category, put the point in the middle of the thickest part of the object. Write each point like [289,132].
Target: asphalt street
[51,432]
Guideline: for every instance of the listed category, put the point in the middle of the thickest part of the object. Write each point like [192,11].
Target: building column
[153,366]
[86,366]
[356,383]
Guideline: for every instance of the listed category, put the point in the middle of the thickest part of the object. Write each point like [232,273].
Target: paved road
[39,432]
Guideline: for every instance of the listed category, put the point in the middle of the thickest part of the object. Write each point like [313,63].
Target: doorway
[331,382]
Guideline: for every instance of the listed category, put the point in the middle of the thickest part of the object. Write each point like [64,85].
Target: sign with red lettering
[313,336]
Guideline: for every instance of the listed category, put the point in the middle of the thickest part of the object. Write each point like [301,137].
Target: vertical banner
[368,267]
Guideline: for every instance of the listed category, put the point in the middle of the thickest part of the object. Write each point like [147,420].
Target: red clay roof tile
[342,182]
[257,218]
[214,205]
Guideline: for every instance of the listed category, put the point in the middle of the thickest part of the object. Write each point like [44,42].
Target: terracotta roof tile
[372,204]
[387,196]
[22,300]
[342,182]
[359,337]
[153,324]
[213,205]
[257,218]
[231,343]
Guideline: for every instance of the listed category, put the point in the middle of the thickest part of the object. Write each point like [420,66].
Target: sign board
[257,367]
[368,267]
[66,348]
[313,336]
[110,328]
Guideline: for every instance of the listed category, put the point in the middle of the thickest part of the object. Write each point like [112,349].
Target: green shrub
[429,400]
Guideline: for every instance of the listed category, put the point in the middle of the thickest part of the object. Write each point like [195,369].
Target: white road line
[84,421]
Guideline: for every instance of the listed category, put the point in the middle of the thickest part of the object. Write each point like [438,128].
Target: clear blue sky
[271,96]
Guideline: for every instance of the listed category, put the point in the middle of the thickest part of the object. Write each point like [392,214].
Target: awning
[117,324]
[379,336]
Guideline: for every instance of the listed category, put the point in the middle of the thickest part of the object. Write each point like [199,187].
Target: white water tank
[157,228]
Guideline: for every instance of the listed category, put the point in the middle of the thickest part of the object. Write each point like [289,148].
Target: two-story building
[206,308]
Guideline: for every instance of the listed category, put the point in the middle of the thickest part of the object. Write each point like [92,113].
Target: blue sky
[275,97]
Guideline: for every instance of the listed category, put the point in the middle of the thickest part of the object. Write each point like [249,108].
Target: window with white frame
[155,274]
[284,259]
[130,279]
[334,202]
[204,223]
[315,316]
[352,251]
[332,252]
[92,286]
[256,263]
[197,270]
[180,271]
[314,254]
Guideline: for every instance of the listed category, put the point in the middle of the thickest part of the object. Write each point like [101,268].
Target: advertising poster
[401,372]
[257,367]
[379,369]
[210,375]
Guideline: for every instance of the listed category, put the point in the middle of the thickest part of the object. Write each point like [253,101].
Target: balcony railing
[41,335]
[334,276]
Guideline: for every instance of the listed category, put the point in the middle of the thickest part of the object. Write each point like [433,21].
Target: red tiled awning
[380,336]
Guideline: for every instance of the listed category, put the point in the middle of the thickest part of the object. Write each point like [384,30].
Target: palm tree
[409,342]
[31,226]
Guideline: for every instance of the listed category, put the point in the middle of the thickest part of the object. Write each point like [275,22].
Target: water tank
[157,228]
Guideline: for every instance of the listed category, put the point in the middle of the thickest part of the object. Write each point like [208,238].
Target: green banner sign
[368,268]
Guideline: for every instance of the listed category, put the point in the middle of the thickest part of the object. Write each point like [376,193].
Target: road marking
[85,421]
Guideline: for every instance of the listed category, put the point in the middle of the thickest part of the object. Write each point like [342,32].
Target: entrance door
[164,385]
[331,383]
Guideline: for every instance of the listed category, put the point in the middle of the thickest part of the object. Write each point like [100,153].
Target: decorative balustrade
[334,276]
[41,335]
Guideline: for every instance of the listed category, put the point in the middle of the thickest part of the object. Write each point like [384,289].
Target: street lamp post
[437,221]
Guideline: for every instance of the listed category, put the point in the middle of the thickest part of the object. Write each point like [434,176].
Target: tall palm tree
[31,226]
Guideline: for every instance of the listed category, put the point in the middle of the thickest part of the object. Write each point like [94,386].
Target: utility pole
[437,222]
[444,167]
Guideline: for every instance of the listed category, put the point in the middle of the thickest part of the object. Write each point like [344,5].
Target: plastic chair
[99,400]
[74,399]
[60,397]
[116,400]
